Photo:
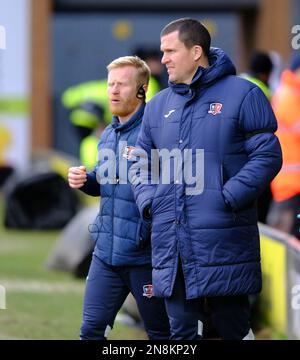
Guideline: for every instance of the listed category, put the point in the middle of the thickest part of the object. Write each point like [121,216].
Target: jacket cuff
[229,200]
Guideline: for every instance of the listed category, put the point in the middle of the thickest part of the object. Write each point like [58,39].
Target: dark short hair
[191,32]
[148,53]
[260,63]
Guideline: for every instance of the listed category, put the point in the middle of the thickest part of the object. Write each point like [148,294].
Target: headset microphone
[141,94]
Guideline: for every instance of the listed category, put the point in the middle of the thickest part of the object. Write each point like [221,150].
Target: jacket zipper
[113,198]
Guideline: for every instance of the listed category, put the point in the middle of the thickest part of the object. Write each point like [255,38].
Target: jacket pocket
[224,179]
[143,233]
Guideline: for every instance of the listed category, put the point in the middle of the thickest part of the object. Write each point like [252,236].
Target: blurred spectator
[286,186]
[260,68]
[89,113]
[152,56]
[88,105]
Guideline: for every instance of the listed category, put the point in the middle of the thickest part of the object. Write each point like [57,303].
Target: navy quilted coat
[122,237]
[214,232]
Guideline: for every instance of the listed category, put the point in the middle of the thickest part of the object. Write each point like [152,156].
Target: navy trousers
[106,290]
[230,315]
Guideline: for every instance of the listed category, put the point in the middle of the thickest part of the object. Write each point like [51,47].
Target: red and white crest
[127,153]
[215,108]
[148,290]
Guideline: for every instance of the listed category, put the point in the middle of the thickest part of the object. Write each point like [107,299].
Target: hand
[77,176]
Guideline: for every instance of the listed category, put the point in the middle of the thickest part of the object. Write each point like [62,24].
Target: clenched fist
[77,176]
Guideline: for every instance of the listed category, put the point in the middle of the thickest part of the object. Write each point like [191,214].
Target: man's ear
[197,52]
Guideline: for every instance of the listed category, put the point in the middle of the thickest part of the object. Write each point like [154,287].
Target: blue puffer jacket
[213,231]
[122,238]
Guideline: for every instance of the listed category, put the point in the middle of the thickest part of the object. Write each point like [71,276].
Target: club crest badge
[148,291]
[127,153]
[215,108]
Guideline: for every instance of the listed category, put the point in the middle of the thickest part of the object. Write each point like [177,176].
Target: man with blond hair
[122,256]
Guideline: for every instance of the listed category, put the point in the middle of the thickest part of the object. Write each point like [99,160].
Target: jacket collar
[135,120]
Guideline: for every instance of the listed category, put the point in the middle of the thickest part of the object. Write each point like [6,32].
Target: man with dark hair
[205,240]
[190,32]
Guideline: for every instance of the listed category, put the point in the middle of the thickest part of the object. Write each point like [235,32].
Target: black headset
[141,93]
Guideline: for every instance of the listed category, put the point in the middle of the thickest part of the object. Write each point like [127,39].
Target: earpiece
[141,94]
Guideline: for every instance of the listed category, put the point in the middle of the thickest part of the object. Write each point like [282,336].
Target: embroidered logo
[169,113]
[148,291]
[215,108]
[127,153]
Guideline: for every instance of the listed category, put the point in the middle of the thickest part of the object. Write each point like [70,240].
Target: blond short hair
[143,73]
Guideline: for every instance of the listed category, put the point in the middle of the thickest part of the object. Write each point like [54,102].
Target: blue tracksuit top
[214,231]
[122,237]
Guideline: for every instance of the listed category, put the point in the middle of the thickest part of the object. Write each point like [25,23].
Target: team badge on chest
[127,153]
[215,108]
